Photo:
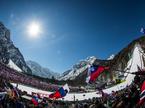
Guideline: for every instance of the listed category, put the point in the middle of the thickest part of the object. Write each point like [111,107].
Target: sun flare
[34,29]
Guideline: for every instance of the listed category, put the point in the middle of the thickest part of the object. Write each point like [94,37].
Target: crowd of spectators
[11,97]
[22,78]
[17,77]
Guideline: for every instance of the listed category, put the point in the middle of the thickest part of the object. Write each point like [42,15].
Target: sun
[34,29]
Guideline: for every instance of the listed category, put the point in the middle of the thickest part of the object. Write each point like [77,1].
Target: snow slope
[133,63]
[68,97]
[12,65]
[132,66]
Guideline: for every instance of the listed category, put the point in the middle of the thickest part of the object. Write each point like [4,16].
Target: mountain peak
[9,51]
[111,57]
[38,70]
[77,69]
[4,32]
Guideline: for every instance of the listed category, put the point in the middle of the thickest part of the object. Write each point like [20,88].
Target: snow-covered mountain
[77,69]
[38,70]
[8,51]
[111,57]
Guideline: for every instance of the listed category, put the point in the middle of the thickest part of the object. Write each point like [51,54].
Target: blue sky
[72,29]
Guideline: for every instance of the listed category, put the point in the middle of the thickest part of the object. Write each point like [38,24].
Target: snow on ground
[68,97]
[12,65]
[135,61]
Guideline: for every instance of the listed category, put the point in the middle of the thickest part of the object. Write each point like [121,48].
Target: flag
[142,95]
[142,30]
[62,92]
[35,100]
[94,71]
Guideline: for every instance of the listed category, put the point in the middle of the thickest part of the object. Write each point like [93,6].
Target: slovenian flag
[94,71]
[62,92]
[34,100]
[142,95]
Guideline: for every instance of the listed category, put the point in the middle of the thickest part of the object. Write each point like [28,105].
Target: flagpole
[136,72]
[74,98]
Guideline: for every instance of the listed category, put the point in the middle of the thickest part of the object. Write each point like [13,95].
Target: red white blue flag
[62,92]
[94,71]
[35,100]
